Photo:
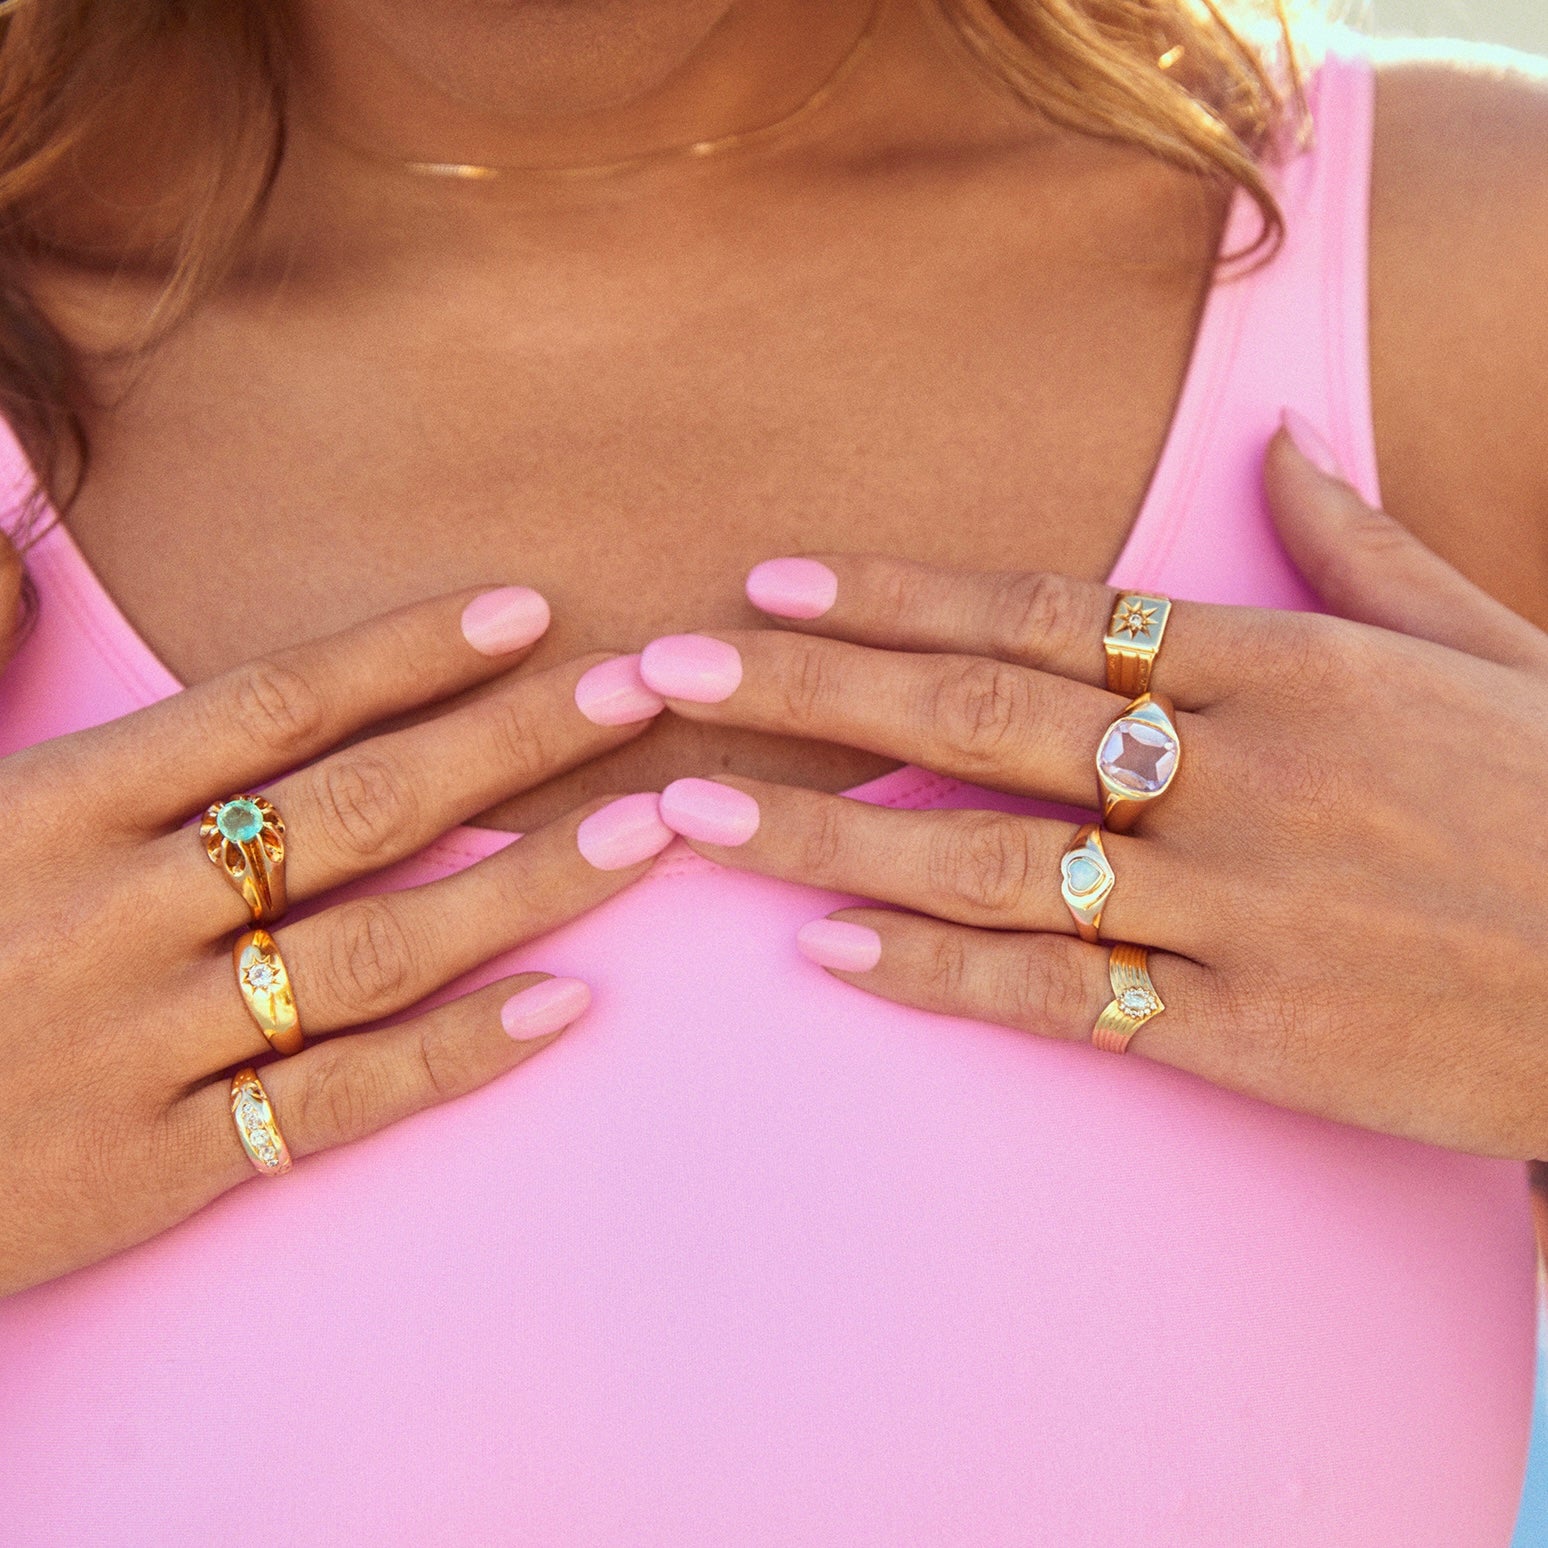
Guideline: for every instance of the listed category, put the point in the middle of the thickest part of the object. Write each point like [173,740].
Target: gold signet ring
[1133,640]
[1085,880]
[256,1126]
[266,991]
[1137,759]
[1134,1000]
[245,839]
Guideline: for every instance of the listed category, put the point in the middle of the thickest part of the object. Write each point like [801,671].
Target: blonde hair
[1175,77]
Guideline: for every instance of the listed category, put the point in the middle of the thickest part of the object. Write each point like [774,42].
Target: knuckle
[1034,612]
[983,861]
[369,959]
[278,707]
[524,743]
[1044,983]
[340,1097]
[367,803]
[980,706]
[809,684]
[442,1059]
[949,966]
[895,590]
[822,846]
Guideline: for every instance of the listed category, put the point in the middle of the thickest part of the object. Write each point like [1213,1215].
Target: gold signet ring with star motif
[1134,1000]
[266,991]
[1085,881]
[1133,640]
[245,839]
[1137,759]
[256,1125]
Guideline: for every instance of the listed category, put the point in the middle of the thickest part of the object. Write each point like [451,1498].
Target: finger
[996,870]
[1047,984]
[348,1087]
[1032,618]
[372,957]
[968,716]
[12,581]
[273,714]
[1370,568]
[387,797]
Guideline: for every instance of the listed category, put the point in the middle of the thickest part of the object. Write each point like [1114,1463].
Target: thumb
[12,576]
[1370,568]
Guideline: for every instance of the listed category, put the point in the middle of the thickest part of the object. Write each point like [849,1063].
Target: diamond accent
[261,976]
[1134,620]
[1136,1003]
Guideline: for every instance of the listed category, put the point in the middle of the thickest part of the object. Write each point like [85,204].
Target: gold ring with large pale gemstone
[1086,880]
[1134,1000]
[1137,759]
[265,985]
[256,1125]
[1133,640]
[245,840]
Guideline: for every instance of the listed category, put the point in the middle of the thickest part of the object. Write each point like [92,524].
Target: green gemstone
[240,821]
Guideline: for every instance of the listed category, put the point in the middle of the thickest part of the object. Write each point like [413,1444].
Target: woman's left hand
[1344,891]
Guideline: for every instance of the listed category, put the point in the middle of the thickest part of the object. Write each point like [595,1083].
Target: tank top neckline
[1162,512]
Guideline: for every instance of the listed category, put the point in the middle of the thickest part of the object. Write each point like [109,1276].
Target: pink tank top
[751,1258]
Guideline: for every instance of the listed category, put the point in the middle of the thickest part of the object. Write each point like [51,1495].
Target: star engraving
[1134,620]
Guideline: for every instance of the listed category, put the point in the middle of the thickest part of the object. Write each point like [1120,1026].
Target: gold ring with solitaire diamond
[266,991]
[1137,759]
[1133,640]
[245,839]
[256,1125]
[1085,881]
[1134,1000]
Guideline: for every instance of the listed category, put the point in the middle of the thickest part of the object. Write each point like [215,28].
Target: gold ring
[245,838]
[1137,759]
[1133,640]
[1134,1001]
[256,1126]
[1085,880]
[266,991]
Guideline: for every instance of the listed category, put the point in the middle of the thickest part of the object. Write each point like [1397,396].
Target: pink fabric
[751,1258]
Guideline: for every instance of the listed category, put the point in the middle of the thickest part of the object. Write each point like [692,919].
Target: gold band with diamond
[1133,640]
[1134,1001]
[266,991]
[1086,880]
[1137,759]
[256,1126]
[244,837]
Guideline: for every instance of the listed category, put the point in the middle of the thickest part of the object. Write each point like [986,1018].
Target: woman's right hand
[120,1016]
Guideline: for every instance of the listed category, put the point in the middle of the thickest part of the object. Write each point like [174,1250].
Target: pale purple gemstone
[1138,756]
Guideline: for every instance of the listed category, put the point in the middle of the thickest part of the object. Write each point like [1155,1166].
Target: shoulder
[1459,308]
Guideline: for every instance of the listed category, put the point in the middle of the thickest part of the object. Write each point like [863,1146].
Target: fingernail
[792,588]
[835,943]
[1312,444]
[544,1008]
[692,667]
[614,694]
[706,810]
[624,832]
[504,620]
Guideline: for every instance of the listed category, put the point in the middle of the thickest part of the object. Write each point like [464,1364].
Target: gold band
[1134,1001]
[1137,759]
[245,840]
[1133,640]
[265,985]
[256,1126]
[1086,880]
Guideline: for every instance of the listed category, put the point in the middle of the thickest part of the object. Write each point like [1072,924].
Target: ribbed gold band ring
[1134,1001]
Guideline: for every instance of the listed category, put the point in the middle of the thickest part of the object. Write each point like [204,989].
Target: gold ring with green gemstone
[245,840]
[265,986]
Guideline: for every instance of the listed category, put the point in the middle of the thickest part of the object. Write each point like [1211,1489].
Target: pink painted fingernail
[544,1008]
[1312,444]
[792,588]
[835,943]
[706,810]
[504,620]
[692,667]
[614,694]
[624,832]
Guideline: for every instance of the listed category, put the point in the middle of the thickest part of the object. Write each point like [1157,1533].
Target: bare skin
[925,324]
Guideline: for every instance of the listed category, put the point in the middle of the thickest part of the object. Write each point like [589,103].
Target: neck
[542,84]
